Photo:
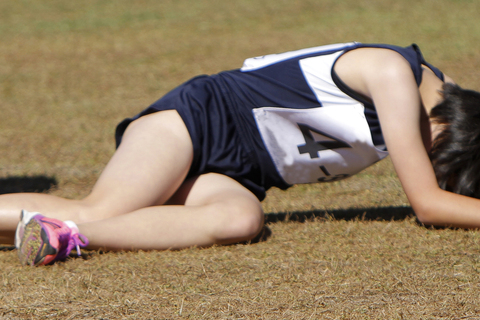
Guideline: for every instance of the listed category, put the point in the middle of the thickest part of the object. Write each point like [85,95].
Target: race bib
[320,144]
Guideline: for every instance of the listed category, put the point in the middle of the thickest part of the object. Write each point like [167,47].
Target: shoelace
[79,240]
[68,239]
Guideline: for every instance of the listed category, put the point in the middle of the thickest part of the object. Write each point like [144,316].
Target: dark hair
[455,152]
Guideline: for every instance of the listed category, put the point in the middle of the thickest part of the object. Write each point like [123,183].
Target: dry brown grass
[71,70]
[323,268]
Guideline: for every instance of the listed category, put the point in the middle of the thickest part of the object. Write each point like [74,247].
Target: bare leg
[217,210]
[12,204]
[124,210]
[148,167]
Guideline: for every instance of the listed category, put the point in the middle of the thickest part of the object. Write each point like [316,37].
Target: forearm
[444,208]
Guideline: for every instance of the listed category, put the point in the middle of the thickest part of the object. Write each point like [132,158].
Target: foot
[41,240]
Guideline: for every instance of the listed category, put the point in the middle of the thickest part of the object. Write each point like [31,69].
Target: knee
[238,222]
[247,224]
[89,211]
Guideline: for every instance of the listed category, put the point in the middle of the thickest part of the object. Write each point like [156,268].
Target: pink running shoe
[41,240]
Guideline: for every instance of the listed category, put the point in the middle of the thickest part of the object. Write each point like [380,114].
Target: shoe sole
[35,245]
[25,218]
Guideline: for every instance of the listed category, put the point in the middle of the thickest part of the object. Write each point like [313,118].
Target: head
[455,152]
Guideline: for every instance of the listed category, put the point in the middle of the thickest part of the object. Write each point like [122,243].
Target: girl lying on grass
[193,167]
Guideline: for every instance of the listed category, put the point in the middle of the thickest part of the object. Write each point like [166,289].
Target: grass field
[71,70]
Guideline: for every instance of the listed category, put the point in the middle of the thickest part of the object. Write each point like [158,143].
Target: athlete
[191,169]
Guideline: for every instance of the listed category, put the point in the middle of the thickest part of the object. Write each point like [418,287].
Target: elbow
[425,218]
[429,205]
[427,214]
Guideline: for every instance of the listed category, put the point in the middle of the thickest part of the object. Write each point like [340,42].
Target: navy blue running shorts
[217,144]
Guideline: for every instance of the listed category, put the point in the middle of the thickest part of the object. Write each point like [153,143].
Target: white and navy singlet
[282,119]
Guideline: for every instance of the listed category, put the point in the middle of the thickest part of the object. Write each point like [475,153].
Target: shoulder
[365,69]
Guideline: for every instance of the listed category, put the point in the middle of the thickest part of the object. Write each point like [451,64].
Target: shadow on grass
[364,214]
[368,214]
[27,184]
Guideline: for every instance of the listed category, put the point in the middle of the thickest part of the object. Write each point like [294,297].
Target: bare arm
[386,78]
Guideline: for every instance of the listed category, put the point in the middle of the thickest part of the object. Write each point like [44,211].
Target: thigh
[209,188]
[150,164]
[233,212]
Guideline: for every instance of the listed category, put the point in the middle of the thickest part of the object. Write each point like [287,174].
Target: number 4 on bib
[312,147]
